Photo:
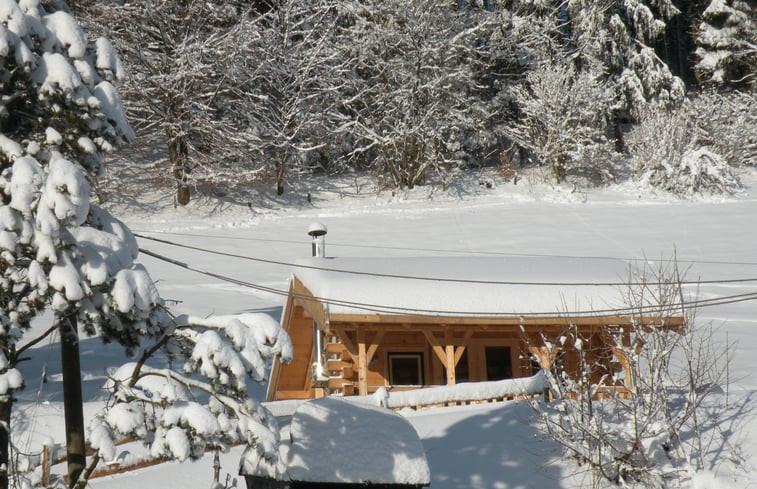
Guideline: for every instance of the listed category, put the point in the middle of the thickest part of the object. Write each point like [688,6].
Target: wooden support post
[216,467]
[543,354]
[73,414]
[449,350]
[45,478]
[362,364]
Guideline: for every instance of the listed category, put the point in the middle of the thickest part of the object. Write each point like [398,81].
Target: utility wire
[432,279]
[424,312]
[446,250]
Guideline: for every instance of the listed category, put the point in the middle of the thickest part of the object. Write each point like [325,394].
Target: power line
[446,250]
[379,308]
[433,279]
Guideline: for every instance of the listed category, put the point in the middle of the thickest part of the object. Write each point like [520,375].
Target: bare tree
[293,73]
[684,152]
[183,82]
[412,102]
[564,121]
[642,422]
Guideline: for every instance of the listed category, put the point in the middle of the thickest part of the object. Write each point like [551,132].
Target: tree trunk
[177,156]
[72,398]
[280,175]
[5,438]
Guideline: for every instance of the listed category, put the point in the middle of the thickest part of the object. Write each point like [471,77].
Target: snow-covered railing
[465,393]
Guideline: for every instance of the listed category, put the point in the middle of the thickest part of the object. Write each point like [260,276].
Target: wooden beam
[671,322]
[309,303]
[286,321]
[362,364]
[435,346]
[449,350]
[461,349]
[348,344]
[374,345]
[546,358]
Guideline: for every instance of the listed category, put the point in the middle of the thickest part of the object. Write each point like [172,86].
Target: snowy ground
[494,446]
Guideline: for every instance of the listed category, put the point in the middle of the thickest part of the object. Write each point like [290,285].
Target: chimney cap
[317,229]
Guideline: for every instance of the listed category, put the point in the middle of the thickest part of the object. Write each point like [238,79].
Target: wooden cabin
[359,324]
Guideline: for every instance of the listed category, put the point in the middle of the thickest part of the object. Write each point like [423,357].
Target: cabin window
[406,368]
[498,363]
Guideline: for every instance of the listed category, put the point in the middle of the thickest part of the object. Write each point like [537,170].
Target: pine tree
[726,39]
[59,113]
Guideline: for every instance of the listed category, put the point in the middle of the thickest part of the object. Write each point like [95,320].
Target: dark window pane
[461,370]
[498,364]
[406,368]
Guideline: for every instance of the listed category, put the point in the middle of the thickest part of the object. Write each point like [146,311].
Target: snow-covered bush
[727,123]
[640,424]
[669,151]
[564,119]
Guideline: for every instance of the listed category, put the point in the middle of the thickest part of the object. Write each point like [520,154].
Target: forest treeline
[662,91]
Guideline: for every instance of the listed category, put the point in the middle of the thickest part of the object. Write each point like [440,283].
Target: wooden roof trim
[556,320]
[286,320]
[302,296]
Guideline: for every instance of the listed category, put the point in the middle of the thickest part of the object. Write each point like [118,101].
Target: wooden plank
[337,365]
[293,394]
[310,304]
[335,348]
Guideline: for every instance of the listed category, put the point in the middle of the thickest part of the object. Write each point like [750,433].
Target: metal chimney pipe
[317,230]
[320,377]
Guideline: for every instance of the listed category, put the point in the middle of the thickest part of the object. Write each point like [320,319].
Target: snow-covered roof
[336,441]
[466,286]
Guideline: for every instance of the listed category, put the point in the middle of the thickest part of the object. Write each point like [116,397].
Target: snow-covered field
[494,446]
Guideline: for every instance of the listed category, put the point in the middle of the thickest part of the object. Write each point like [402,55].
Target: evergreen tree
[60,112]
[726,39]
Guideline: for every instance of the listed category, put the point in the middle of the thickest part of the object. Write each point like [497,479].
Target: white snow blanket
[460,286]
[336,441]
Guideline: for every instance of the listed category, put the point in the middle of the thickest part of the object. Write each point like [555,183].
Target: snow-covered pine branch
[179,415]
[726,40]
